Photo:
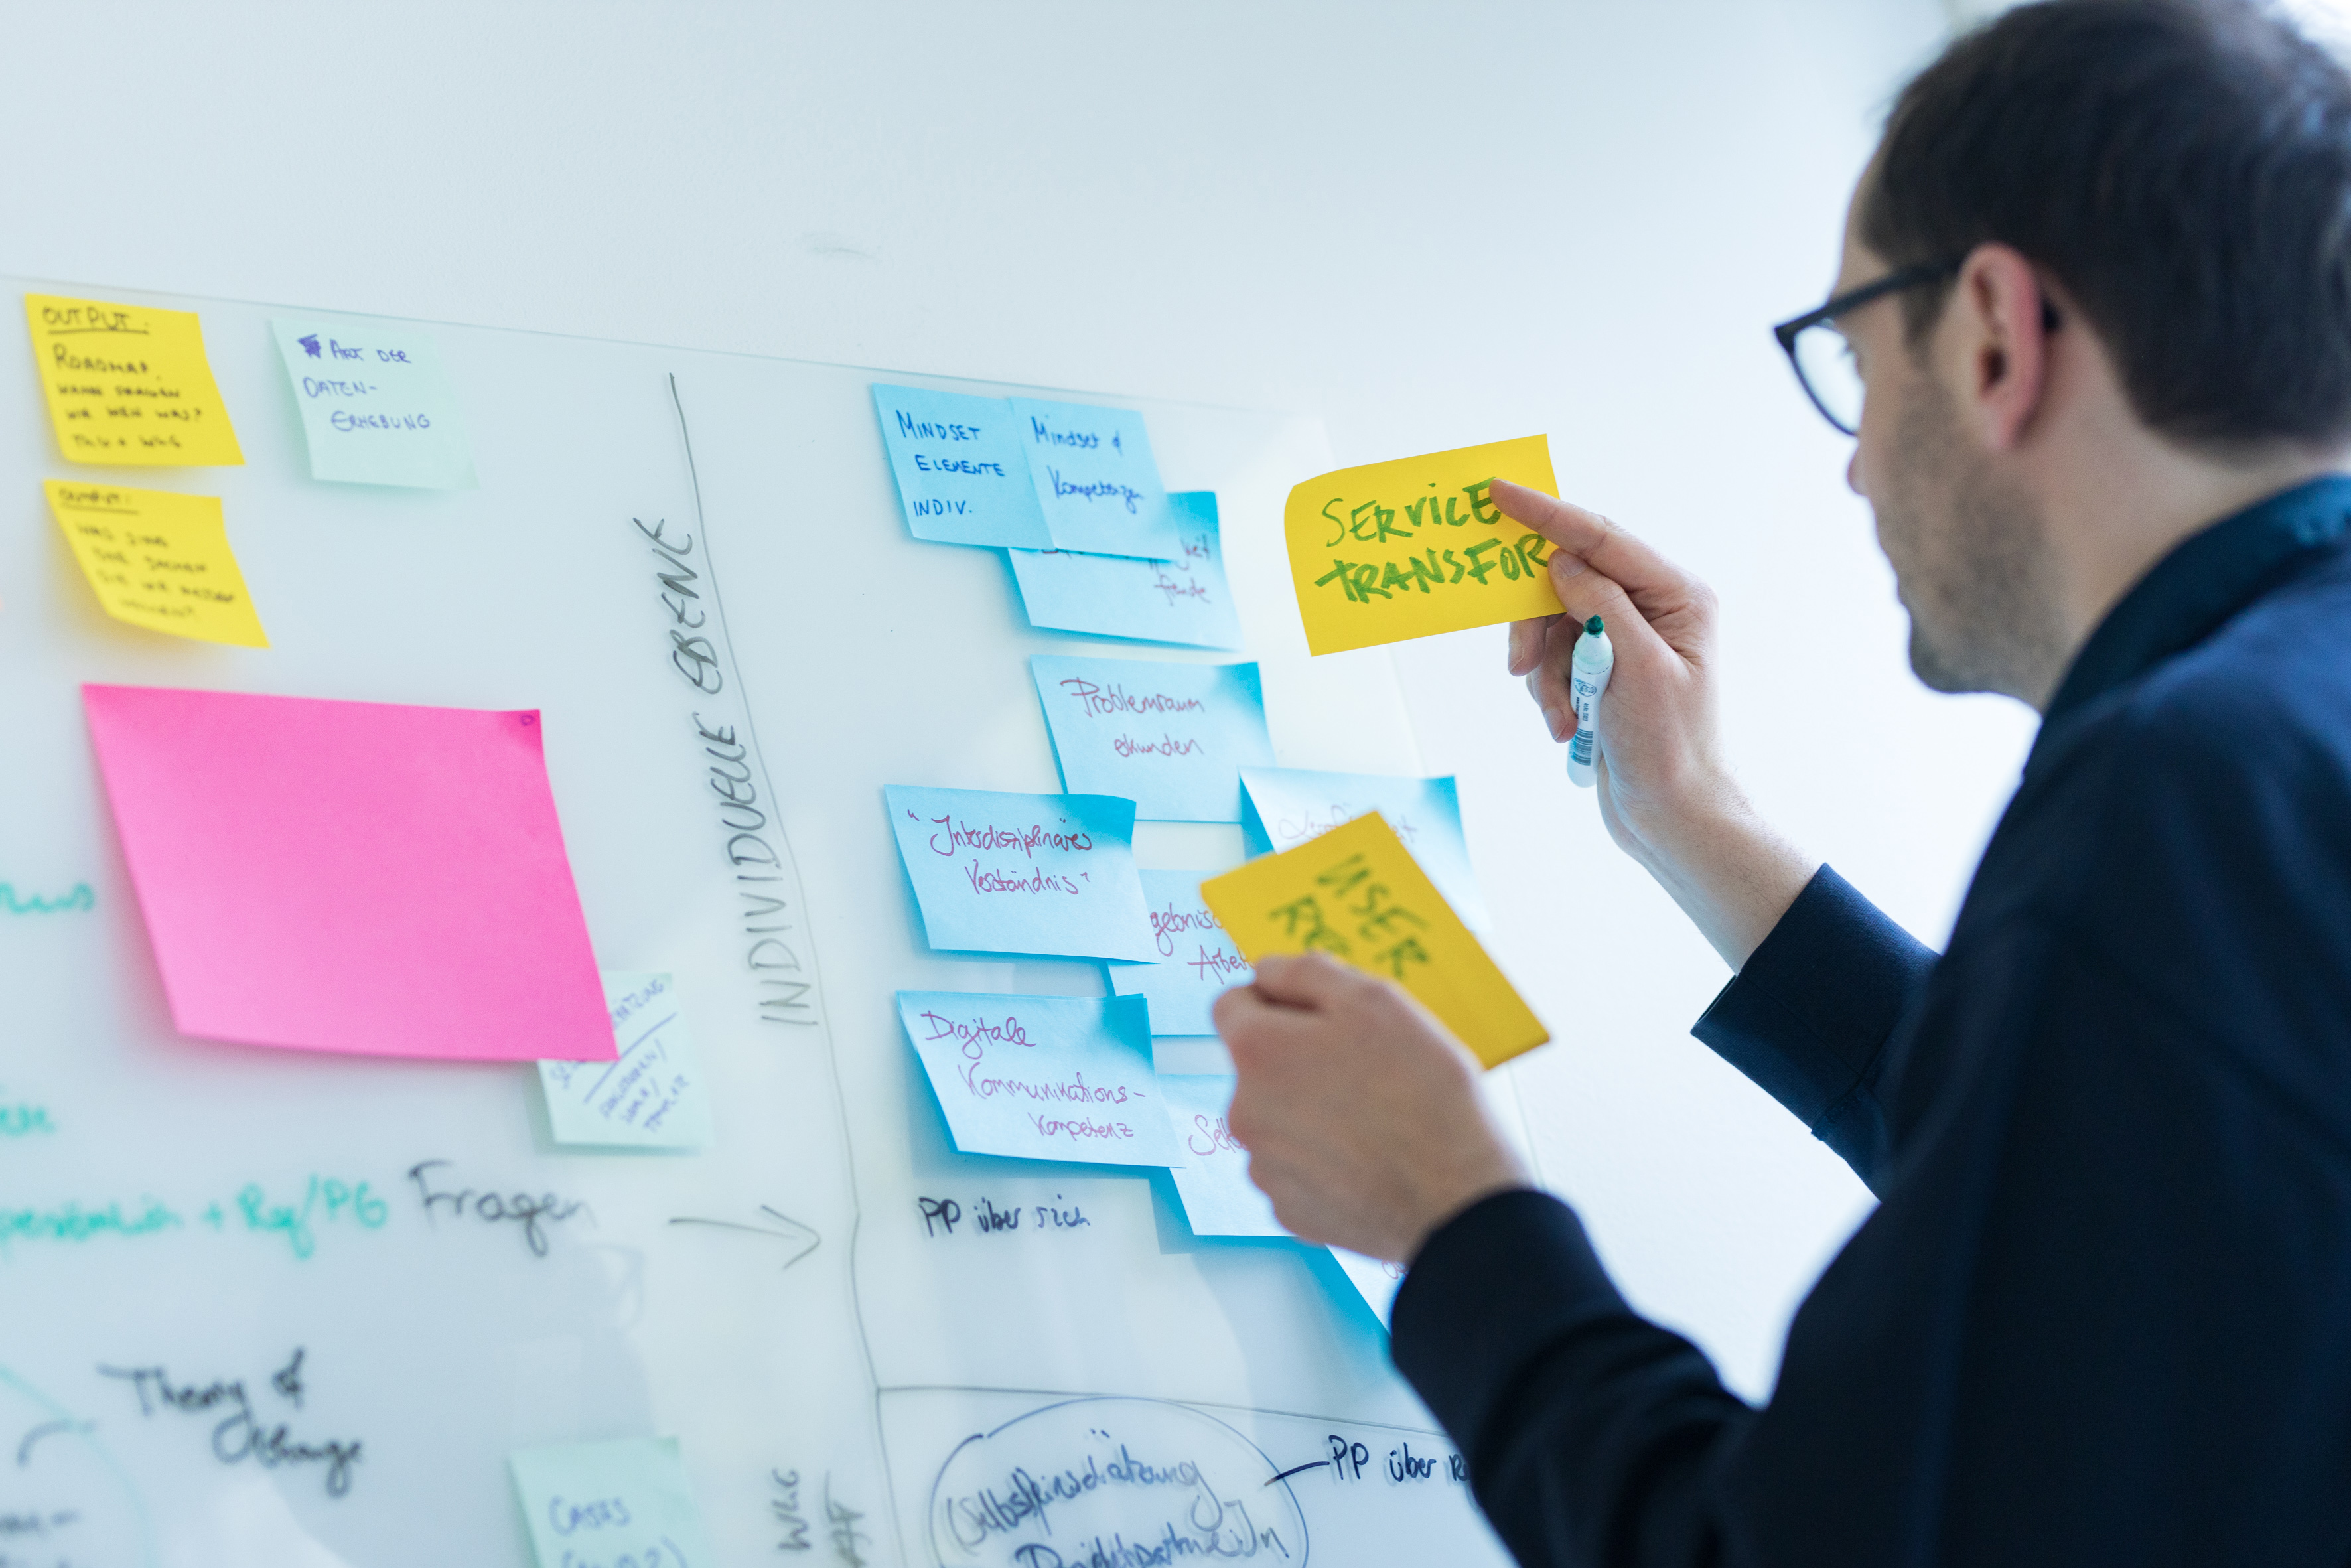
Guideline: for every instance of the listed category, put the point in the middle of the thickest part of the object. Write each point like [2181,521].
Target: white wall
[1431,225]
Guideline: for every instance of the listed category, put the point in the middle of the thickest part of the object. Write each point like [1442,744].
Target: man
[2097,284]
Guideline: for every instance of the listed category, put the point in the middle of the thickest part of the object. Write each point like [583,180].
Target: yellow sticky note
[1415,547]
[159,559]
[129,384]
[1357,895]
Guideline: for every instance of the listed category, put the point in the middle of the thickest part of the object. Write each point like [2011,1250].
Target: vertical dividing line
[832,1058]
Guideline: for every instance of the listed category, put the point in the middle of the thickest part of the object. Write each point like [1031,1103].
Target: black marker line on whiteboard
[795,1000]
[832,1067]
[1296,1470]
[803,1237]
[64,1425]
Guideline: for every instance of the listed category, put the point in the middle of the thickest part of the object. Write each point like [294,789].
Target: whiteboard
[836,1371]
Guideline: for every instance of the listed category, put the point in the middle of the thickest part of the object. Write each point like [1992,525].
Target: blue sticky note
[1023,873]
[1375,1279]
[1198,962]
[377,407]
[1095,480]
[654,1096]
[1181,599]
[624,1501]
[1171,737]
[1042,1078]
[961,467]
[1212,1177]
[1287,805]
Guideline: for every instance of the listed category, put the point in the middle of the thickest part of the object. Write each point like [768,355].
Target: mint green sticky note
[377,407]
[653,1097]
[622,1501]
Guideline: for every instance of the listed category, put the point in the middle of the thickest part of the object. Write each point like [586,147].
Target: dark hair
[2182,167]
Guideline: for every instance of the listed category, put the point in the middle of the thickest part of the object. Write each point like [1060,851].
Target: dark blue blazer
[2102,1311]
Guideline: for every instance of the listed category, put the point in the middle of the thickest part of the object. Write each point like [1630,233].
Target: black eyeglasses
[1823,358]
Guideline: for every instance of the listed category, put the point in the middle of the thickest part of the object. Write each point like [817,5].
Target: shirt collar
[2201,584]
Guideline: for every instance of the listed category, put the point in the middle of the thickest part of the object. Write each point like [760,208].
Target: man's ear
[1997,336]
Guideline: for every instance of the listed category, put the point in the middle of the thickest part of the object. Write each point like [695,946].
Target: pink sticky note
[361,877]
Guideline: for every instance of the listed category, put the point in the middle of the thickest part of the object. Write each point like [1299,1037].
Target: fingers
[1286,985]
[1237,1012]
[1594,540]
[1281,1007]
[1587,593]
[1547,683]
[1527,642]
[1643,652]
[1302,979]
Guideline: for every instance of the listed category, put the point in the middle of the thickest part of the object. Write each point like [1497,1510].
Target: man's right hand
[1666,795]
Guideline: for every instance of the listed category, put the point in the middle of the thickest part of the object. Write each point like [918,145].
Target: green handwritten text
[72,1222]
[323,1202]
[1375,915]
[12,903]
[1359,581]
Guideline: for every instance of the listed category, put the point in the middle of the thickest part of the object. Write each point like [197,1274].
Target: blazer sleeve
[2096,1321]
[1810,1015]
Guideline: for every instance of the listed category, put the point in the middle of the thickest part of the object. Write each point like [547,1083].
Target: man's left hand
[1361,1114]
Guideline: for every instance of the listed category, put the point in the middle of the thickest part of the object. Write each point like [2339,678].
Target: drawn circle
[1080,1480]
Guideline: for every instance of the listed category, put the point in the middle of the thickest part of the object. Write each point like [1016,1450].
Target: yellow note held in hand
[129,384]
[1415,547]
[1357,895]
[159,559]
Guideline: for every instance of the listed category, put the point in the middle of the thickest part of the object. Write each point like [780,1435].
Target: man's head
[2144,208]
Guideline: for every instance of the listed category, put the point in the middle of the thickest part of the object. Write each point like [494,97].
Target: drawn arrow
[784,1229]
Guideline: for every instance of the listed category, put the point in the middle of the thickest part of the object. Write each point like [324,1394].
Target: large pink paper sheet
[361,877]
